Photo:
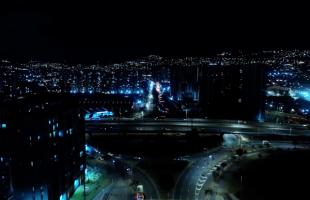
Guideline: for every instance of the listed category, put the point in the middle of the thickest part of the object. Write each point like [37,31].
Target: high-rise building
[46,146]
[233,92]
[185,81]
[5,160]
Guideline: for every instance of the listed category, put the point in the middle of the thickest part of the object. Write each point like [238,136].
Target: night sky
[87,32]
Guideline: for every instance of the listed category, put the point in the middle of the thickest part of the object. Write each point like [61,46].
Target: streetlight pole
[186,113]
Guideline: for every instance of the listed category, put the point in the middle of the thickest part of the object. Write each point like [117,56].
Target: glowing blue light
[260,117]
[302,94]
[98,115]
[60,133]
[151,85]
[76,183]
[87,148]
[87,116]
[270,93]
[63,197]
[171,98]
[127,91]
[3,126]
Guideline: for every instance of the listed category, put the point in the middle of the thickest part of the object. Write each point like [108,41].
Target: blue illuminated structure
[305,95]
[91,151]
[300,94]
[98,115]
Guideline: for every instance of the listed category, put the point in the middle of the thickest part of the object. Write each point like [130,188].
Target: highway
[151,126]
[121,186]
[195,179]
[191,181]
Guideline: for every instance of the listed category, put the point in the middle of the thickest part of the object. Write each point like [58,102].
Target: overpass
[149,126]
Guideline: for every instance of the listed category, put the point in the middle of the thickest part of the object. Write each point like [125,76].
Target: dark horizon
[87,33]
[118,55]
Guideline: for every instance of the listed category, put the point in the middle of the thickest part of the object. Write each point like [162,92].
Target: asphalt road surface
[152,126]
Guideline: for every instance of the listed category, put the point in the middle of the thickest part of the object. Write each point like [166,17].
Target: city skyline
[162,101]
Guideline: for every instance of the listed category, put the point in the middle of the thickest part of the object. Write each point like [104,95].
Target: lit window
[81,153]
[3,125]
[61,133]
[39,137]
[54,133]
[31,163]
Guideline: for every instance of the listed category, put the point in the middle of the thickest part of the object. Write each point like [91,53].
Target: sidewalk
[96,181]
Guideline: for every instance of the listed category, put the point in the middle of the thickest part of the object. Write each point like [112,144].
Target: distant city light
[300,94]
[158,87]
[61,133]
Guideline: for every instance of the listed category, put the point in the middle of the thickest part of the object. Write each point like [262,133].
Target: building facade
[46,145]
[233,92]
